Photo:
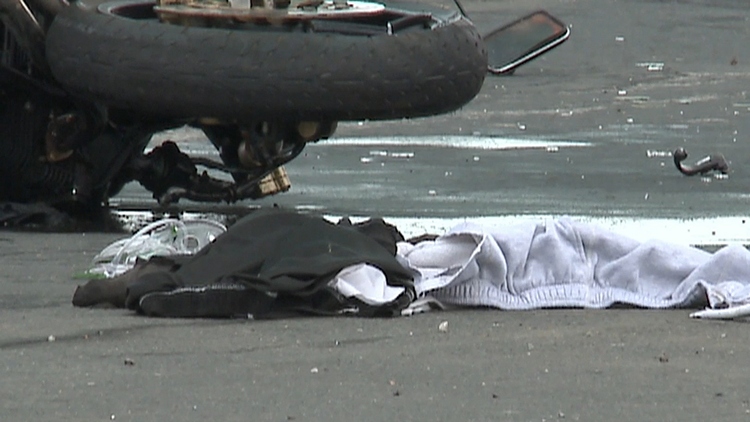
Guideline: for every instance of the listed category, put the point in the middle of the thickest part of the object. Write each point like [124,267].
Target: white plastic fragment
[652,66]
[651,153]
[740,311]
[443,327]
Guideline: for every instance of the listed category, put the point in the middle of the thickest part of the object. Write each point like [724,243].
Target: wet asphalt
[596,90]
[613,122]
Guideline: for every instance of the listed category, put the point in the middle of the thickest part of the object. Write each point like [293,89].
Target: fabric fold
[565,263]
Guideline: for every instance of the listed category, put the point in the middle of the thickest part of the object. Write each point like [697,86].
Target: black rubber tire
[175,71]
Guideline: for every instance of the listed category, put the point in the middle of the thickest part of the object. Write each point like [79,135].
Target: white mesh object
[164,237]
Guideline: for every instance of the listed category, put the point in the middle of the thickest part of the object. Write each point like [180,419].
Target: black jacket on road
[273,262]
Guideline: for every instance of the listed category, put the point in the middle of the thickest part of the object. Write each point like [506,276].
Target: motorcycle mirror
[521,41]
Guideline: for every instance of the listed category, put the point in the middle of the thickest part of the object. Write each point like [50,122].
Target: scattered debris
[651,153]
[734,61]
[715,162]
[51,338]
[663,358]
[129,362]
[314,370]
[652,66]
[443,327]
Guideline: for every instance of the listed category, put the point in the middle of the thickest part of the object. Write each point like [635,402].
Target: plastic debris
[652,66]
[443,327]
[166,237]
[650,153]
[732,312]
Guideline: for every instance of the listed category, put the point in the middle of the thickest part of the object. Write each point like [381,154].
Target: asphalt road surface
[586,130]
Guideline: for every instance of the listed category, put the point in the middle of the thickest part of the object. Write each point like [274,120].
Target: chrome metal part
[268,11]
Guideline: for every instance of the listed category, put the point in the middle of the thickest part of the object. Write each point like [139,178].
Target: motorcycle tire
[235,75]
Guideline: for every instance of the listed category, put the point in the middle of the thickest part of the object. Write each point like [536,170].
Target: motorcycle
[86,83]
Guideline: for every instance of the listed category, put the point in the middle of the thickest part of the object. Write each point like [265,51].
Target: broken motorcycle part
[714,162]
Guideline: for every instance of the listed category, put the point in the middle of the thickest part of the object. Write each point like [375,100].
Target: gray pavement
[593,89]
[63,363]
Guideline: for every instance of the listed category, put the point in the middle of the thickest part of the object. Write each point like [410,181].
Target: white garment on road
[564,263]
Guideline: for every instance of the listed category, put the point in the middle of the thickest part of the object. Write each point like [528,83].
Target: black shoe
[214,301]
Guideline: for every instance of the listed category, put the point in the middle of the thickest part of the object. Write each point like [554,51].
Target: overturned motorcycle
[85,85]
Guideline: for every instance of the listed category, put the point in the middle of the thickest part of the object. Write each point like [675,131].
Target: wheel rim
[193,10]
